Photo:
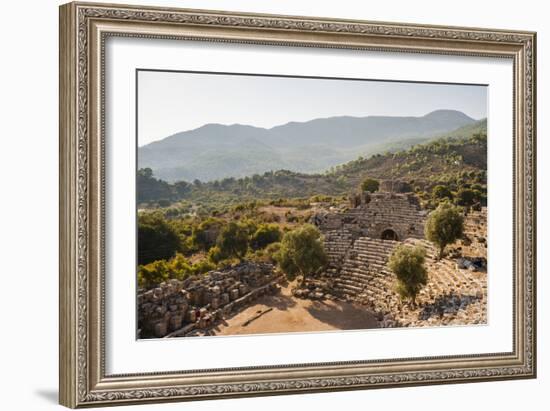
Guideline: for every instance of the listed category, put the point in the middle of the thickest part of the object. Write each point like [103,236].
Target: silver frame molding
[83,30]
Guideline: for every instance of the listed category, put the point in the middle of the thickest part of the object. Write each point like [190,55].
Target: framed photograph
[260,204]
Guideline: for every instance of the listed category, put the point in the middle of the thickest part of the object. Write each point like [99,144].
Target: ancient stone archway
[389,234]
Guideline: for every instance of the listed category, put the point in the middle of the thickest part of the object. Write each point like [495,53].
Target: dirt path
[290,314]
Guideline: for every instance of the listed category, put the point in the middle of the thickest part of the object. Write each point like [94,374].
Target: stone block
[160,310]
[227,309]
[191,316]
[176,322]
[160,329]
[206,298]
[225,298]
[203,322]
[234,294]
[148,295]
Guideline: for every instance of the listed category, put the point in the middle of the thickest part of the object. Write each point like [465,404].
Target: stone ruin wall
[371,215]
[178,308]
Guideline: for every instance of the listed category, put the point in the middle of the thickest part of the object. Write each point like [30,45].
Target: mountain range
[216,151]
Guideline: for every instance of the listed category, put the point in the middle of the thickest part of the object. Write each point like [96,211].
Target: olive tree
[233,240]
[444,226]
[407,263]
[265,235]
[301,252]
[369,184]
[441,192]
[467,197]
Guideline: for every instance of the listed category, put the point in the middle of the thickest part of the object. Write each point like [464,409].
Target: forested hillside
[455,161]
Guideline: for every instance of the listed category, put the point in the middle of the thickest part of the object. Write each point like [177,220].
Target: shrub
[202,267]
[152,274]
[179,267]
[407,264]
[369,184]
[467,197]
[271,251]
[205,234]
[265,235]
[440,192]
[215,254]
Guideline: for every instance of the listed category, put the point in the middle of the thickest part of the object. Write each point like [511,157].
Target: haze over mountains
[216,151]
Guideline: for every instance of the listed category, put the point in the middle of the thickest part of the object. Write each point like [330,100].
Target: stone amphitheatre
[356,290]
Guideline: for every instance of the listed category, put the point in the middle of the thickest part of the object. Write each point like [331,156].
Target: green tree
[233,240]
[265,235]
[205,234]
[182,188]
[250,225]
[215,254]
[179,267]
[467,197]
[272,250]
[301,252]
[441,192]
[407,263]
[157,239]
[148,188]
[202,267]
[369,184]
[444,226]
[152,274]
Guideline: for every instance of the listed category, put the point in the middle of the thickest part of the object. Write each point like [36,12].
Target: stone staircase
[337,244]
[364,273]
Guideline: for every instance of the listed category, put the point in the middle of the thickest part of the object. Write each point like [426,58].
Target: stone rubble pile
[178,308]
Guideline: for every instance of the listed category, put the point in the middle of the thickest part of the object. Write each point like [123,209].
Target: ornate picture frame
[84,28]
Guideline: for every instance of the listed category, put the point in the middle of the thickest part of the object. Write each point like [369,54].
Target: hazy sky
[172,102]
